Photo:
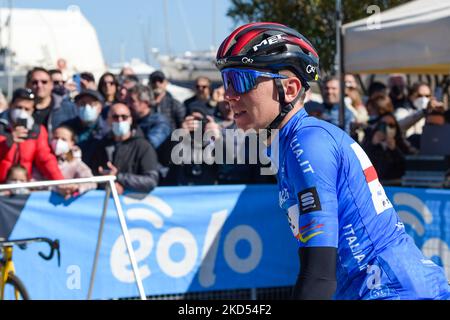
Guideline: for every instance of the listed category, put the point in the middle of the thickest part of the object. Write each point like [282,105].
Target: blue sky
[122,25]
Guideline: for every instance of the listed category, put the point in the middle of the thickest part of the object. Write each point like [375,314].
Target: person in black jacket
[164,102]
[386,148]
[126,154]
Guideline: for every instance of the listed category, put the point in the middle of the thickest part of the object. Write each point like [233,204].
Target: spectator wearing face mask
[59,84]
[411,117]
[387,148]
[16,174]
[24,142]
[164,102]
[69,159]
[126,154]
[435,116]
[88,126]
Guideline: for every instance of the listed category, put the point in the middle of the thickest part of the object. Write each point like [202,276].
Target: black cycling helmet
[271,46]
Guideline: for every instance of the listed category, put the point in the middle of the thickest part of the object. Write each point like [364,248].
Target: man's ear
[292,88]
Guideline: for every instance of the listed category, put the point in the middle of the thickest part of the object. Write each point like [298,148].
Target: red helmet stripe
[245,39]
[303,44]
[235,32]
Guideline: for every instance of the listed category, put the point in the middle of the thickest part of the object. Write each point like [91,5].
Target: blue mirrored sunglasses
[244,80]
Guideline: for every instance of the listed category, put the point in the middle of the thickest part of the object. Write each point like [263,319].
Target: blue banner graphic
[187,239]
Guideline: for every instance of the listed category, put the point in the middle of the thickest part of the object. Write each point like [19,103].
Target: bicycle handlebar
[22,244]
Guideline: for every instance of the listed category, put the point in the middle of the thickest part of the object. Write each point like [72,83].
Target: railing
[109,188]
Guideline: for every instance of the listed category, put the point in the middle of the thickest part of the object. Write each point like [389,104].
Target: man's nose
[230,94]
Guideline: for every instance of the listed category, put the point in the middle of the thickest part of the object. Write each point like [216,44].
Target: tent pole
[340,63]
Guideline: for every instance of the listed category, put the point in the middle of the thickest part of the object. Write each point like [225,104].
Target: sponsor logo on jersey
[309,201]
[379,198]
[283,195]
[309,231]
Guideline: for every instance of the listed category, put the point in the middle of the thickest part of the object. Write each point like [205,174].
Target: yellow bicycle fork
[6,269]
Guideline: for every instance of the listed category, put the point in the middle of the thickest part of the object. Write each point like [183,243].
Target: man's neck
[122,138]
[145,113]
[44,103]
[286,119]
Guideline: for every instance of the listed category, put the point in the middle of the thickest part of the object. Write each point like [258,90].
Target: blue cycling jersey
[333,198]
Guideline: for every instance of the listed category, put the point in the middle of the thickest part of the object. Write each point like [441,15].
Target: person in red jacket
[24,142]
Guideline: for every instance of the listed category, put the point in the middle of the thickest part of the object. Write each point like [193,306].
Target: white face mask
[121,128]
[59,146]
[17,114]
[88,113]
[421,103]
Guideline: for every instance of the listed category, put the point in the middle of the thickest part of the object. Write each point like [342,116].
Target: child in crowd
[16,174]
[69,159]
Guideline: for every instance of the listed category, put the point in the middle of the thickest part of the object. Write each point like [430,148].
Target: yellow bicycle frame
[6,267]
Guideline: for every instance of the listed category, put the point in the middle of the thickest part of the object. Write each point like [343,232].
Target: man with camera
[24,142]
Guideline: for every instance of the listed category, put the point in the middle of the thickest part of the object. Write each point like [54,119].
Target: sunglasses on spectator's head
[120,116]
[244,80]
[35,82]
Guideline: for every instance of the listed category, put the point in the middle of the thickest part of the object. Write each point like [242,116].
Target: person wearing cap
[165,103]
[88,125]
[23,141]
[51,109]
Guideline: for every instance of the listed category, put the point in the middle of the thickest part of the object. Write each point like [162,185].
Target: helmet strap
[285,108]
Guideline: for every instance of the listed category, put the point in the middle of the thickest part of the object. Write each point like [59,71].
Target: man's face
[57,79]
[139,107]
[41,84]
[123,90]
[202,89]
[159,87]
[118,113]
[255,109]
[24,104]
[331,92]
[85,100]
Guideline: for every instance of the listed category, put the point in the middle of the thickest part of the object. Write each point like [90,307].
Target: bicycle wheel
[13,285]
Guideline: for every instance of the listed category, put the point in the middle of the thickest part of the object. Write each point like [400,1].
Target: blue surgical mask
[88,113]
[121,128]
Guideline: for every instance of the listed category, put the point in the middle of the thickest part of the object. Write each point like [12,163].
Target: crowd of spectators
[58,129]
[388,122]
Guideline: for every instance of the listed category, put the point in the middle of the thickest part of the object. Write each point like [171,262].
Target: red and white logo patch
[379,198]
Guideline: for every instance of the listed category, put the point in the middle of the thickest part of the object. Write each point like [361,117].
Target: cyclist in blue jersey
[352,244]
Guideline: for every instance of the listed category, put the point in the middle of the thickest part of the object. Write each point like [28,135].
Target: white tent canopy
[41,37]
[410,38]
